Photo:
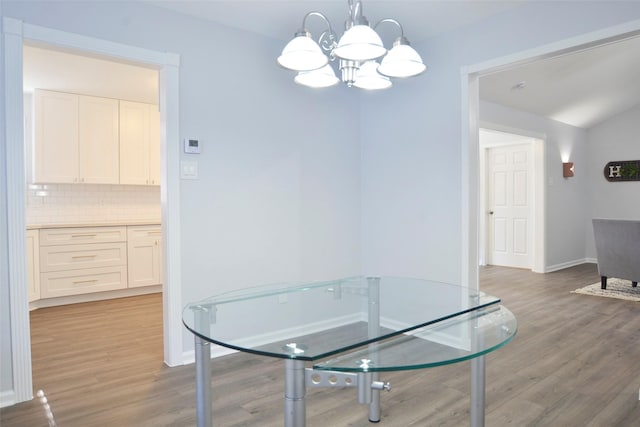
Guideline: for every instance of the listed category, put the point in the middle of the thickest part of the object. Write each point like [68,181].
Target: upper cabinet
[98,140]
[92,140]
[139,143]
[55,157]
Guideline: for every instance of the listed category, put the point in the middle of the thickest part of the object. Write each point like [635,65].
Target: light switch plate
[188,169]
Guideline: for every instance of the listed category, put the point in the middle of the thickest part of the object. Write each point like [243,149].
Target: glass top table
[350,330]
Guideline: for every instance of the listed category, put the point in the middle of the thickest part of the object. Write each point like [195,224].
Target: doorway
[471,214]
[99,94]
[511,199]
[16,33]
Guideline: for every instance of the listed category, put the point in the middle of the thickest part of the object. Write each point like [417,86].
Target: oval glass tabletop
[313,321]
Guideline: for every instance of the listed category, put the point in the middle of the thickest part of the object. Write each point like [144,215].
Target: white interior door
[510,191]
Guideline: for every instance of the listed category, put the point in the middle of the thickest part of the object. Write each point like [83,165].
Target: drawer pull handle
[79,282]
[151,233]
[83,235]
[83,256]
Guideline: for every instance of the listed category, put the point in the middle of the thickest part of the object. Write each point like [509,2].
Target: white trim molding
[15,34]
[16,228]
[563,265]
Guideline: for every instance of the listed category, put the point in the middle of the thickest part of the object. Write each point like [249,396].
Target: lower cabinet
[63,262]
[82,260]
[144,255]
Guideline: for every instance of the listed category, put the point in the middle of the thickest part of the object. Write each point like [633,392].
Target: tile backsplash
[80,203]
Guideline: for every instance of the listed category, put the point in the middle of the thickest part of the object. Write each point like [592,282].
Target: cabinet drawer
[63,283]
[69,236]
[73,257]
[144,232]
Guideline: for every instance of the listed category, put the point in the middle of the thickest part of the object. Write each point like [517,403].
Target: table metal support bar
[374,331]
[203,382]
[294,393]
[374,406]
[477,391]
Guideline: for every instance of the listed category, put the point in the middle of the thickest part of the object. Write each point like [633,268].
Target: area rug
[616,288]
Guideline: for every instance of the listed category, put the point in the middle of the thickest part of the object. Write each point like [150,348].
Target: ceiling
[581,89]
[67,72]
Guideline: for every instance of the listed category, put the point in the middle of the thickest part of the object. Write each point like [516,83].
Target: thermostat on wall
[191,146]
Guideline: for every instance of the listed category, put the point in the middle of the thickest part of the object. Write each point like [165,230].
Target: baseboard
[7,398]
[98,296]
[189,357]
[562,266]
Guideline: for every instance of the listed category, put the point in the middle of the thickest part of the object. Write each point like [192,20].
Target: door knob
[490,212]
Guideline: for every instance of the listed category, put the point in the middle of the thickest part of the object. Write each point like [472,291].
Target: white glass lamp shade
[369,78]
[402,61]
[302,54]
[360,43]
[323,77]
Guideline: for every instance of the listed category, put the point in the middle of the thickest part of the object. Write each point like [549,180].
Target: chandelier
[357,53]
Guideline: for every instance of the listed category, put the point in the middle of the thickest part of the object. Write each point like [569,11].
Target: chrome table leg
[294,393]
[203,382]
[477,391]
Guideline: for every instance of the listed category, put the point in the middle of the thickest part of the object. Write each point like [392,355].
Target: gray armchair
[618,249]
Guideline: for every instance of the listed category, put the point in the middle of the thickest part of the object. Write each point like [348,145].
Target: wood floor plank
[572,363]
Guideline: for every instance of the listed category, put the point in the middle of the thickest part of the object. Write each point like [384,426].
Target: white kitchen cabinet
[93,140]
[76,139]
[99,143]
[144,248]
[33,265]
[82,260]
[139,143]
[55,154]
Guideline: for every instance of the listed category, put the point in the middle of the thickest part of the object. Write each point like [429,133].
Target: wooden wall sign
[626,170]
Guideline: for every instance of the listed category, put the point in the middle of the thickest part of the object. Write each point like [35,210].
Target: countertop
[94,224]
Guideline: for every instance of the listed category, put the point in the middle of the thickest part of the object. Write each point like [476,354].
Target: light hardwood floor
[574,362]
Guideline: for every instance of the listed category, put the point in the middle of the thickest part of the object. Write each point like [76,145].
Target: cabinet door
[55,155]
[154,145]
[33,262]
[144,249]
[134,143]
[99,140]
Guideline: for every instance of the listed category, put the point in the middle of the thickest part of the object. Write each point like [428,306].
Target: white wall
[615,139]
[411,139]
[567,204]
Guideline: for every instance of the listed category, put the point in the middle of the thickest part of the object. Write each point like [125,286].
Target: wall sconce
[567,169]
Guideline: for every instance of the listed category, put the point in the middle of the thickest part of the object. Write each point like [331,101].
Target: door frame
[15,34]
[470,123]
[537,233]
